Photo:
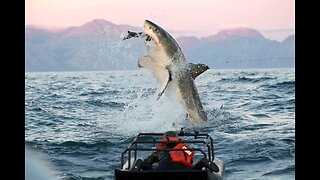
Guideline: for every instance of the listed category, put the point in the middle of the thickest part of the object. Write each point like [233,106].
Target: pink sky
[273,18]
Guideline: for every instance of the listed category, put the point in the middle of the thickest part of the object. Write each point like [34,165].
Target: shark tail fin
[197,69]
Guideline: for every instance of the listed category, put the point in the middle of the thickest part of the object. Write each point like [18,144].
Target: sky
[275,19]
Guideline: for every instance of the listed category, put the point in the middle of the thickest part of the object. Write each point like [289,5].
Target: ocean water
[78,123]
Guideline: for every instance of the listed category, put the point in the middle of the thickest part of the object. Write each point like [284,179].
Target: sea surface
[78,123]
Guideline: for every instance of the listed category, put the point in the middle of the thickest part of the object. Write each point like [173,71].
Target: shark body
[172,70]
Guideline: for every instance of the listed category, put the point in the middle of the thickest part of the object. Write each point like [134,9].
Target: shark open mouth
[150,42]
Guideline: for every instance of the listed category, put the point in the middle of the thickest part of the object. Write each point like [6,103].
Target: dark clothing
[155,157]
[207,164]
[169,165]
[164,162]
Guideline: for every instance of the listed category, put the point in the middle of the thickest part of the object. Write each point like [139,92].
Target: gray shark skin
[172,70]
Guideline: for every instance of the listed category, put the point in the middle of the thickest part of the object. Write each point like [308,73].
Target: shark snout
[150,25]
[147,23]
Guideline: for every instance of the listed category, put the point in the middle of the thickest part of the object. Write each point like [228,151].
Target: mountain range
[98,45]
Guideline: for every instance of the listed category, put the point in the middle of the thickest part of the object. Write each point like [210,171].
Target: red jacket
[183,156]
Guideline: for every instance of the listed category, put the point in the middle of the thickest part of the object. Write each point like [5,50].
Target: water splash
[146,114]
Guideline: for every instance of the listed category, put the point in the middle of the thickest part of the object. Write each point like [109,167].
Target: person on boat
[174,160]
[170,160]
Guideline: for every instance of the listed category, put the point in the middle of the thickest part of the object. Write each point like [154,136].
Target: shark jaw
[149,32]
[153,39]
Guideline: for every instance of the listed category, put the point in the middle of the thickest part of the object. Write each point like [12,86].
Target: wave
[286,170]
[75,144]
[246,79]
[259,115]
[274,106]
[242,161]
[111,104]
[97,93]
[267,96]
[280,85]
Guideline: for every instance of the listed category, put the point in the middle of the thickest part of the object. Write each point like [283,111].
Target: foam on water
[146,114]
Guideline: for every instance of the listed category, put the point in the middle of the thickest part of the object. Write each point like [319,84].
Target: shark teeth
[148,38]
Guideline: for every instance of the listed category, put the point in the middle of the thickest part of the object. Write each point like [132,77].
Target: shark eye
[156,30]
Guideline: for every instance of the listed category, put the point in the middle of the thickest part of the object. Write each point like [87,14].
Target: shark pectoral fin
[145,62]
[167,76]
[160,94]
[197,69]
[162,74]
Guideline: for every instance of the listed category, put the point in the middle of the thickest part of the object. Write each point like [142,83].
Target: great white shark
[172,70]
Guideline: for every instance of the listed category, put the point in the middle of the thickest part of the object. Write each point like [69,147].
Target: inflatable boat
[146,143]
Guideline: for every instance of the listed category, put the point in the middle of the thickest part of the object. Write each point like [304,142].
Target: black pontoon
[201,143]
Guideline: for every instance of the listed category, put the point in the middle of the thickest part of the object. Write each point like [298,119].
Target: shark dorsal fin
[197,69]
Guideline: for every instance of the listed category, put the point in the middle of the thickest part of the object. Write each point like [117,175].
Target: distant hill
[98,45]
[240,48]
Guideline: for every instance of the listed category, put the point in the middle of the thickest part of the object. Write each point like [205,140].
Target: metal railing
[133,147]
